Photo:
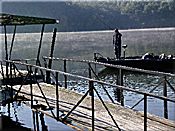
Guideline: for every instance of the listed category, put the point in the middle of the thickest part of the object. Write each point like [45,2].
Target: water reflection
[21,117]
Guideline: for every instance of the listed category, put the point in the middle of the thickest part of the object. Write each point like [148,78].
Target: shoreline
[102,31]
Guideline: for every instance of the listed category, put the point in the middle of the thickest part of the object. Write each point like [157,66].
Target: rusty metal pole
[165,101]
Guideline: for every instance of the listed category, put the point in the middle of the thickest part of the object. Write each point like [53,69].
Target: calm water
[24,115]
[82,45]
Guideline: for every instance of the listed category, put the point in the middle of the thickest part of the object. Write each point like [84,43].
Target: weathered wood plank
[126,119]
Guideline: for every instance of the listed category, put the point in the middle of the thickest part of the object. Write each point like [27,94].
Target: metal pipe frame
[91,89]
[114,66]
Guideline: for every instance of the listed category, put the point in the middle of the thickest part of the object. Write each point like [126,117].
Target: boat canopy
[9,19]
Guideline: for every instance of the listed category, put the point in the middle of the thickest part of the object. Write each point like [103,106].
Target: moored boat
[147,62]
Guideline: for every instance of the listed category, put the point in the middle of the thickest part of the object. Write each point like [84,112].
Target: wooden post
[165,101]
[119,92]
[51,55]
[65,77]
[145,112]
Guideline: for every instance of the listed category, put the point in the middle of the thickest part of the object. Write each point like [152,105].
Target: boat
[161,63]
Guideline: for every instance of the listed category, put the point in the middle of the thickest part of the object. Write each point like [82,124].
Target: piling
[51,55]
[119,92]
[165,101]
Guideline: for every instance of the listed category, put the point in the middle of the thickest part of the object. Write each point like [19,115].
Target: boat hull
[163,65]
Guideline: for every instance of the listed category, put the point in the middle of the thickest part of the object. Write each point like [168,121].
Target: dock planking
[127,119]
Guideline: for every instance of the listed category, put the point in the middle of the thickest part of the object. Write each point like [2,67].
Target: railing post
[91,86]
[65,77]
[119,92]
[90,76]
[165,101]
[11,77]
[57,96]
[31,88]
[91,93]
[145,112]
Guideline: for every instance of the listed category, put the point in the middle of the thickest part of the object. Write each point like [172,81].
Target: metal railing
[92,89]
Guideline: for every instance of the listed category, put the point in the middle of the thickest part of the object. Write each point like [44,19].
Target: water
[23,114]
[82,45]
[140,82]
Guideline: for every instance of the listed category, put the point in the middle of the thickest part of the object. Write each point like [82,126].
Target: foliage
[100,15]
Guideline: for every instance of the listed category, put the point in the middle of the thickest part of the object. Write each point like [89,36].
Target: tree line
[99,15]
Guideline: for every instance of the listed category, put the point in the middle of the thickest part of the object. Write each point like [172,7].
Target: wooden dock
[127,119]
[85,112]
